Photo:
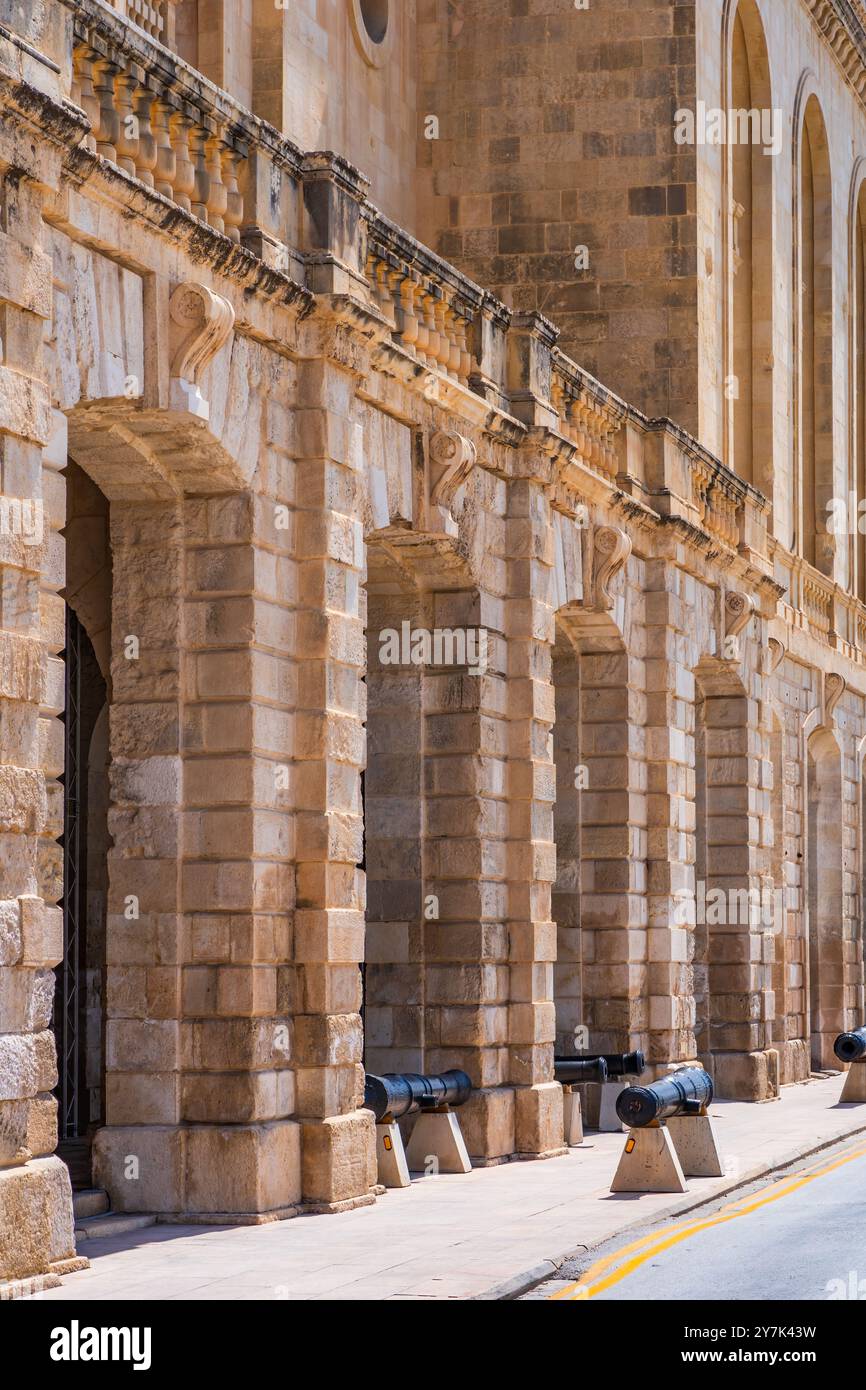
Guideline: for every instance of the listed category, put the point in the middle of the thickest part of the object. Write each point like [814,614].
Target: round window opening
[375,16]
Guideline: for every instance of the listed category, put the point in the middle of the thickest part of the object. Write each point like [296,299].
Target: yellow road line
[656,1242]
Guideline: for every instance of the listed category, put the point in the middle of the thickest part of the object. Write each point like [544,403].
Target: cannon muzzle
[685,1092]
[399,1093]
[850,1047]
[572,1070]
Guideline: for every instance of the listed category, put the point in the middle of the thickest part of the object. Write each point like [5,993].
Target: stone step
[114,1224]
[91,1201]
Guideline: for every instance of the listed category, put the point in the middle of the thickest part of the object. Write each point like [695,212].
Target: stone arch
[423,982]
[814,319]
[80,999]
[748,178]
[733,898]
[824,878]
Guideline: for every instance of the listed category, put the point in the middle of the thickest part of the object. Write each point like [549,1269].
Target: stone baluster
[408,316]
[395,276]
[201,189]
[108,125]
[87,97]
[127,133]
[145,160]
[432,331]
[453,345]
[184,178]
[166,162]
[465,368]
[217,193]
[234,213]
[422,342]
[444,346]
[382,287]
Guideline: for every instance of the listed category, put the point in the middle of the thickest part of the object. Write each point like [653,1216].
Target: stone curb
[523,1282]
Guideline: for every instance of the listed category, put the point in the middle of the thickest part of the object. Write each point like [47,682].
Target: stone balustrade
[159,121]
[155,17]
[140,124]
[432,307]
[590,417]
[718,496]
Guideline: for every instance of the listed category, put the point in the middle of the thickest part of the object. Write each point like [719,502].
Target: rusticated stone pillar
[199,1086]
[466,941]
[36,1231]
[338,1137]
[530,862]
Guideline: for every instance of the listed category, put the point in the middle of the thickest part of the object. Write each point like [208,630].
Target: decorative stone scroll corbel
[834,688]
[452,459]
[611,548]
[774,655]
[738,609]
[201,321]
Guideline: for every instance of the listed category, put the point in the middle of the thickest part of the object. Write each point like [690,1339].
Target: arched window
[750,345]
[814,542]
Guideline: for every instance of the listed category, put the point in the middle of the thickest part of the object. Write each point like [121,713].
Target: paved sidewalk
[489,1234]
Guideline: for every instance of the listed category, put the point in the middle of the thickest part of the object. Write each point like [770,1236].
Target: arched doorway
[80,999]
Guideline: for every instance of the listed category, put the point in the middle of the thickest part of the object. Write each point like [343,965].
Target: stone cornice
[842,24]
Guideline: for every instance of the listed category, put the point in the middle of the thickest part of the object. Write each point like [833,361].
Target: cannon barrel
[682,1093]
[399,1093]
[850,1047]
[571,1070]
[617,1063]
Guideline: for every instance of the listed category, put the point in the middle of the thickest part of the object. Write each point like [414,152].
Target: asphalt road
[800,1235]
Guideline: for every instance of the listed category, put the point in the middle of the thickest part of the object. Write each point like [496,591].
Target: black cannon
[570,1071]
[850,1047]
[617,1063]
[685,1092]
[399,1093]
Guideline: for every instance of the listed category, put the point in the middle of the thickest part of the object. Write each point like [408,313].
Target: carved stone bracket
[834,688]
[454,457]
[775,655]
[611,548]
[201,322]
[738,609]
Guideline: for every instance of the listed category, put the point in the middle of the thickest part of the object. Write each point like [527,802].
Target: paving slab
[489,1234]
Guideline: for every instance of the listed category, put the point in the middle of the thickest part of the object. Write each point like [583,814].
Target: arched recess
[814,313]
[749,299]
[80,995]
[733,901]
[857,377]
[432,978]
[599,826]
[392,791]
[826,972]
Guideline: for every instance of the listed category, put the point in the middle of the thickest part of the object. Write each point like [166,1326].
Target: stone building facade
[346,616]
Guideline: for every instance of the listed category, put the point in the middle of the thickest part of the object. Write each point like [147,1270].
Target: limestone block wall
[36,1234]
[556,133]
